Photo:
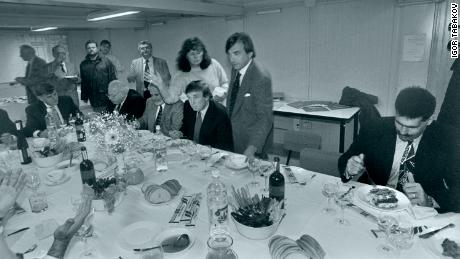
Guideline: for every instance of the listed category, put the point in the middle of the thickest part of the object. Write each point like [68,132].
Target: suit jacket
[6,125]
[216,129]
[252,116]
[63,85]
[171,118]
[36,114]
[136,72]
[35,74]
[133,106]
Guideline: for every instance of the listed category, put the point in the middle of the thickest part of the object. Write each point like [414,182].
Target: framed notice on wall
[414,48]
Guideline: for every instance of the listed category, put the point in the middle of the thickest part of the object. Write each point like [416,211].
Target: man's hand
[355,165]
[218,98]
[11,185]
[250,153]
[154,79]
[416,194]
[43,134]
[7,138]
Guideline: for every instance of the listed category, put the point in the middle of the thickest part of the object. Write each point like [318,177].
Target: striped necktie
[407,166]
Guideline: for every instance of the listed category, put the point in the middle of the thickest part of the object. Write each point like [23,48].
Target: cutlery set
[187,210]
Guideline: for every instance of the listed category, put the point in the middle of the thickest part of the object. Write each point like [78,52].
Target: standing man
[63,75]
[249,101]
[35,71]
[106,50]
[96,73]
[146,67]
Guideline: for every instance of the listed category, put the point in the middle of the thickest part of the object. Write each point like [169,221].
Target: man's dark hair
[89,42]
[198,86]
[106,42]
[43,89]
[192,44]
[243,38]
[415,102]
[26,47]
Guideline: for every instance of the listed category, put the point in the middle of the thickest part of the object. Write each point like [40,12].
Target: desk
[341,116]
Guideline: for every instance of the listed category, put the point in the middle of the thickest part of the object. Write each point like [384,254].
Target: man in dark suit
[7,128]
[126,101]
[410,152]
[35,72]
[249,101]
[206,122]
[60,108]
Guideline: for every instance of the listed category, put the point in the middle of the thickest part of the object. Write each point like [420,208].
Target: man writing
[249,101]
[126,101]
[410,152]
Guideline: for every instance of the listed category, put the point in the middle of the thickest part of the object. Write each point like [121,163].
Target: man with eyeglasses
[60,108]
[147,66]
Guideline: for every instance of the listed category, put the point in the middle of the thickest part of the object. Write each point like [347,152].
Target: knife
[18,231]
[431,233]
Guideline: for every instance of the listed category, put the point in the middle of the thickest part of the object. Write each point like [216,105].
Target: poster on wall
[414,48]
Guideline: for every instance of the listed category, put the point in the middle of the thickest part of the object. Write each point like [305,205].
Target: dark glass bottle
[87,169]
[79,129]
[276,182]
[23,147]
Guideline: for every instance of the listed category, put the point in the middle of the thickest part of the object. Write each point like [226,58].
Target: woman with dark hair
[194,63]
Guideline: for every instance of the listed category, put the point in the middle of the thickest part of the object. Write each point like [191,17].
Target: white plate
[236,162]
[56,177]
[141,234]
[175,232]
[175,198]
[65,164]
[175,155]
[362,193]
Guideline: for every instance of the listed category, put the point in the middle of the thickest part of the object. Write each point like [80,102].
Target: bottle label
[221,214]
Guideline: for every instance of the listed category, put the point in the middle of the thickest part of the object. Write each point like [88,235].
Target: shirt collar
[244,69]
[203,112]
[150,60]
[415,142]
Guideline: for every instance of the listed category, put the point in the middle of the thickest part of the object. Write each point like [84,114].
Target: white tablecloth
[304,216]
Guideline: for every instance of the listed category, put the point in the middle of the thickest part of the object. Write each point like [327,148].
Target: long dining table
[304,205]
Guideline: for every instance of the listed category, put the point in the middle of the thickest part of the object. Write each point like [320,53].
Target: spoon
[176,245]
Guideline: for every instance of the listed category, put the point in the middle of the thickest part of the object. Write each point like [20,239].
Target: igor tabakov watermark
[454,30]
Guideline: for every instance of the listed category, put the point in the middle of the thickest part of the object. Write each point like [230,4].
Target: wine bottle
[79,129]
[87,169]
[276,183]
[23,147]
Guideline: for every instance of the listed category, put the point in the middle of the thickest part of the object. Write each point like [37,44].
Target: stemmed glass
[84,232]
[33,181]
[190,150]
[253,167]
[386,223]
[342,199]
[265,169]
[205,154]
[329,190]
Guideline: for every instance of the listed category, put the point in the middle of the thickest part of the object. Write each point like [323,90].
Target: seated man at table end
[409,152]
[7,128]
[206,122]
[59,107]
[158,113]
[127,101]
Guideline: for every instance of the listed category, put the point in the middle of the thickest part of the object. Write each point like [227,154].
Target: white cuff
[35,134]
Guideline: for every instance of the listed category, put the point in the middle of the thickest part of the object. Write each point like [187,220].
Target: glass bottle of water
[51,127]
[217,206]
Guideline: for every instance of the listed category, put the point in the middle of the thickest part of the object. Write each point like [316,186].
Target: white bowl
[40,142]
[256,233]
[236,162]
[48,161]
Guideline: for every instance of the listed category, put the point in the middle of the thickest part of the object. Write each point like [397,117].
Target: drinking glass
[38,202]
[220,247]
[253,167]
[385,223]
[342,199]
[205,154]
[265,169]
[33,181]
[84,232]
[329,190]
[402,236]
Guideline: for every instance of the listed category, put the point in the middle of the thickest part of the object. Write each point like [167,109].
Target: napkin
[420,212]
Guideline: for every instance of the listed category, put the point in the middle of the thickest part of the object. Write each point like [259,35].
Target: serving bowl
[256,233]
[47,161]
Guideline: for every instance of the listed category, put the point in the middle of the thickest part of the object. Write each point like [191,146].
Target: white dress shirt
[399,152]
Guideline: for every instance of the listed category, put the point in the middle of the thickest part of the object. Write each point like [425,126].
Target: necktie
[146,83]
[63,68]
[158,119]
[406,166]
[196,131]
[235,89]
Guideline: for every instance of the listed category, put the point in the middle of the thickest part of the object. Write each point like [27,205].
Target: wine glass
[329,190]
[33,181]
[205,154]
[265,169]
[342,199]
[253,167]
[402,236]
[385,223]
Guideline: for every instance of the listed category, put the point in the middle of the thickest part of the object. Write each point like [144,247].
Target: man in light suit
[125,101]
[158,113]
[249,101]
[206,122]
[63,74]
[144,68]
[35,72]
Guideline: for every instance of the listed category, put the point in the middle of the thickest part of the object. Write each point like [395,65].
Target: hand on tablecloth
[250,153]
[416,194]
[11,185]
[7,139]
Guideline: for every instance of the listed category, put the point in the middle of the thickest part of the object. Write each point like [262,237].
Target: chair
[298,140]
[320,161]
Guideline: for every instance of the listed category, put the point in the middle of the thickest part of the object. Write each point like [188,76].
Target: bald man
[127,101]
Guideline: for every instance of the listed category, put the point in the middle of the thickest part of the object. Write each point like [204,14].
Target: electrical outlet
[296,124]
[307,125]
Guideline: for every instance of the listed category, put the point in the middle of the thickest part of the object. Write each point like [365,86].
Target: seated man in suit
[127,101]
[158,113]
[60,109]
[205,121]
[7,128]
[409,152]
